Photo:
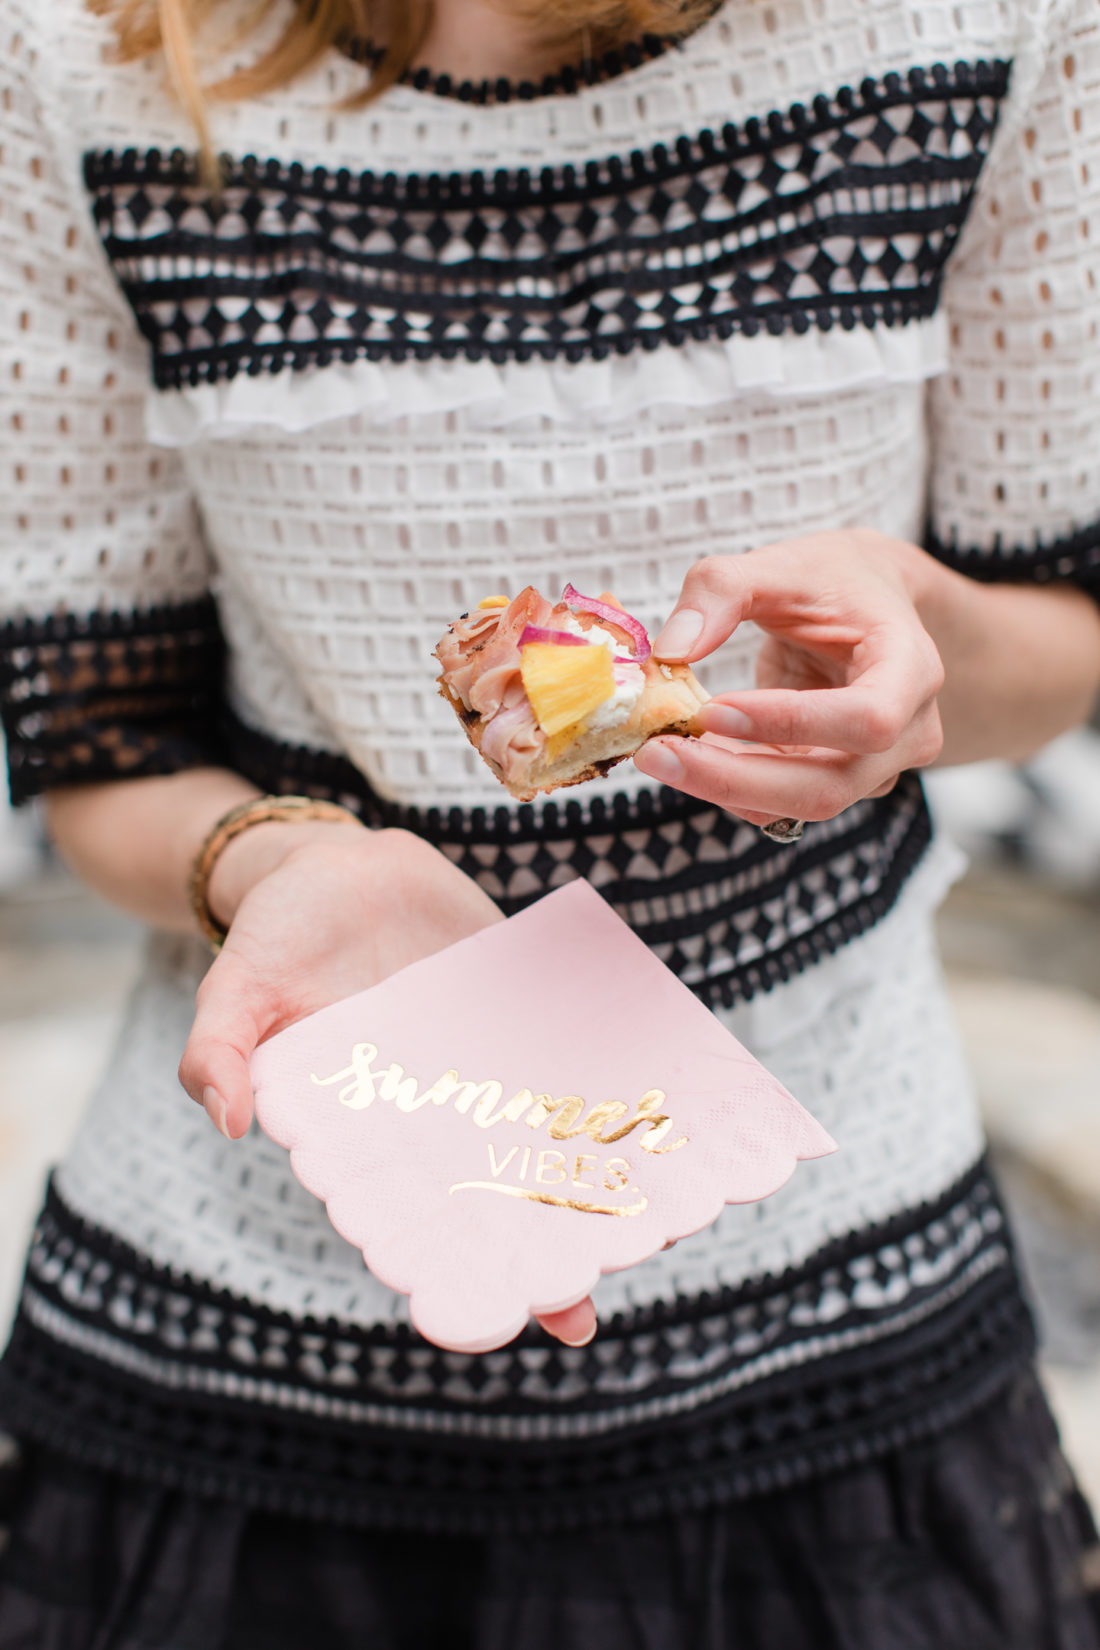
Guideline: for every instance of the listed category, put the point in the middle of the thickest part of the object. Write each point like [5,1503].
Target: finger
[764,788]
[575,1326]
[661,752]
[870,717]
[714,598]
[768,585]
[224,1034]
[751,818]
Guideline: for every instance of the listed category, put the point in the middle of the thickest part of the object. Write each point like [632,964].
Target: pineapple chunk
[557,742]
[495,601]
[565,684]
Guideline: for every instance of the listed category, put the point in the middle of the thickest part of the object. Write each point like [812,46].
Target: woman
[815,284]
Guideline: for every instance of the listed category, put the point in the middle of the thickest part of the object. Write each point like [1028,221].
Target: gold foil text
[484,1103]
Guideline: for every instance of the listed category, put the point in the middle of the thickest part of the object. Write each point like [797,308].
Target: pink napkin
[499,1124]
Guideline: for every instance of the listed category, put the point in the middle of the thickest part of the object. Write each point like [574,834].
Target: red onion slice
[614,615]
[559,638]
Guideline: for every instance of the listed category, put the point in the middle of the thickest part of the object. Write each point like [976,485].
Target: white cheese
[594,633]
[629,681]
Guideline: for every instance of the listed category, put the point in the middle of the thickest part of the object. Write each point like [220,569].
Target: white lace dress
[820,265]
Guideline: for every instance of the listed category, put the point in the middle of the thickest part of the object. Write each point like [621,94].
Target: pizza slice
[552,694]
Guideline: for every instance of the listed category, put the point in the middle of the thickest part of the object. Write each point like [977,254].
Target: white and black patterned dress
[820,265]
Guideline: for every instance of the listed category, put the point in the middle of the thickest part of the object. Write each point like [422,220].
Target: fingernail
[584,1340]
[218,1110]
[727,720]
[682,630]
[658,762]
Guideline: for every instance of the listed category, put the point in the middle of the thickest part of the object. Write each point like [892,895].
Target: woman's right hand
[316,912]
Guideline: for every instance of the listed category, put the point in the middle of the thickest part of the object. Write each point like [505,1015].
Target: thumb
[576,1325]
[224,1034]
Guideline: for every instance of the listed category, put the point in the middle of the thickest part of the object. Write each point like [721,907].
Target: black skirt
[977,1539]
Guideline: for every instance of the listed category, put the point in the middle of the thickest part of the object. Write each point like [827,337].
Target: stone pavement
[1023,961]
[1024,966]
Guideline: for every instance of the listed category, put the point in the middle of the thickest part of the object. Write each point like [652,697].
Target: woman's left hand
[847,677]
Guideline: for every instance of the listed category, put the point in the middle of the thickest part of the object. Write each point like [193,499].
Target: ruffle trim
[692,374]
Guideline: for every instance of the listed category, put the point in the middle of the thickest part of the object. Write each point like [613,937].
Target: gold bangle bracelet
[283,810]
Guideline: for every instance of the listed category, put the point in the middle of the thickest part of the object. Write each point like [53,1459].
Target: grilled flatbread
[511,701]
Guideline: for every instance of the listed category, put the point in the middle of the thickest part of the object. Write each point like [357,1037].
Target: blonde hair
[172,27]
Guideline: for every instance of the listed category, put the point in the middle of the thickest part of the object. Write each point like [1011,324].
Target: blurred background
[1021,939]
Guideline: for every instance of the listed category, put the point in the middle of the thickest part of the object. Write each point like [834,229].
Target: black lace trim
[563,82]
[1074,559]
[82,1267]
[113,696]
[813,1416]
[740,915]
[778,222]
[109,695]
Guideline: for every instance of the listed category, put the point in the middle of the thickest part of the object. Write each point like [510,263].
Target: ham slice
[480,652]
[512,739]
[480,657]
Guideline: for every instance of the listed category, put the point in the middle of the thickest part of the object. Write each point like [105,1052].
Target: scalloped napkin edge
[497,1125]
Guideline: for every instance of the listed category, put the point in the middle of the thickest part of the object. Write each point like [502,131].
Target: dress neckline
[501,89]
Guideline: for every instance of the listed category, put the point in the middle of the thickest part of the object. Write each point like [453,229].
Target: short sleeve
[110,653]
[1015,423]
